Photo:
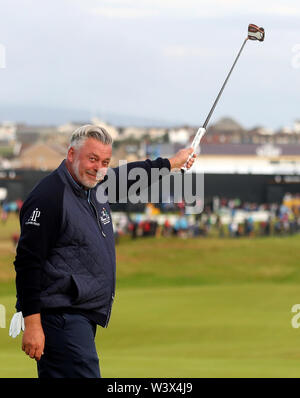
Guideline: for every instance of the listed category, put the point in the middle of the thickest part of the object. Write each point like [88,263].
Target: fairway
[232,331]
[189,308]
[211,331]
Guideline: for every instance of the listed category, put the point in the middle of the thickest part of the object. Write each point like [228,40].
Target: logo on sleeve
[104,217]
[33,218]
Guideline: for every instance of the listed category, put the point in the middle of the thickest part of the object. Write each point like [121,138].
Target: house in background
[40,156]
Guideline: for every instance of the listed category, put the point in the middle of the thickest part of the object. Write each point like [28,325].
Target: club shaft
[224,84]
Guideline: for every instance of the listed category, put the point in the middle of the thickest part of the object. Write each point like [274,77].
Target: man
[65,260]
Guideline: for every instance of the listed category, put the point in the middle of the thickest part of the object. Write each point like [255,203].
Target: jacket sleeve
[147,165]
[40,221]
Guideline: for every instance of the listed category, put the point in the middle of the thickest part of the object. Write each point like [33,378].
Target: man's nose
[97,166]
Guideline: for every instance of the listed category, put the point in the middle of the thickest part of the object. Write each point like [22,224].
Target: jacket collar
[77,188]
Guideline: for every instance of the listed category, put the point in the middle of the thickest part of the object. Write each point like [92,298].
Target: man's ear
[70,155]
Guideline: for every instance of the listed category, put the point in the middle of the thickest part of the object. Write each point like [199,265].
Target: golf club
[254,33]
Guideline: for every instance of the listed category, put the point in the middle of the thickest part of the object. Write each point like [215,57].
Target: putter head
[255,33]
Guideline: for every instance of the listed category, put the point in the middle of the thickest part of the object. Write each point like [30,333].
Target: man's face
[90,162]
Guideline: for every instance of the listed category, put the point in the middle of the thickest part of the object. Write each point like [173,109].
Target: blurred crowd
[10,207]
[223,217]
[7,208]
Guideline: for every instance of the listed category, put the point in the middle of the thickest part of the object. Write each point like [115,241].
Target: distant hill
[56,116]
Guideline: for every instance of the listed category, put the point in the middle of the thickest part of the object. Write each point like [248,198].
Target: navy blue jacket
[66,253]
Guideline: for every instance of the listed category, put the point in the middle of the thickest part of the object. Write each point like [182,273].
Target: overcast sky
[160,59]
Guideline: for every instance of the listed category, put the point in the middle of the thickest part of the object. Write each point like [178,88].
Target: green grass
[208,261]
[211,331]
[207,331]
[202,307]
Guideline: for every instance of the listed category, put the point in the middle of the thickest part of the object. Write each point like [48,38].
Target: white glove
[16,325]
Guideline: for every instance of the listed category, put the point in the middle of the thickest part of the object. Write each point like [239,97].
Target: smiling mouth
[94,176]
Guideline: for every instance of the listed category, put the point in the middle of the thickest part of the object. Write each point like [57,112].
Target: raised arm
[126,175]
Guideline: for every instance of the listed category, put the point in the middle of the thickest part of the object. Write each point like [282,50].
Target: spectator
[15,238]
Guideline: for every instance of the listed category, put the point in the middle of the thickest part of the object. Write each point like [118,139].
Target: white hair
[79,136]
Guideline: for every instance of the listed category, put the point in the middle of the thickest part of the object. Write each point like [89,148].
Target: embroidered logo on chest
[104,216]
